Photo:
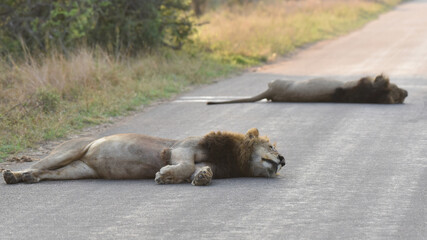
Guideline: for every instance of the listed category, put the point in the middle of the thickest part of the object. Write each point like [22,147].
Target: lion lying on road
[365,90]
[135,156]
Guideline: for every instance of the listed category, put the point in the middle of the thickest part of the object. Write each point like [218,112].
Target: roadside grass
[263,30]
[50,96]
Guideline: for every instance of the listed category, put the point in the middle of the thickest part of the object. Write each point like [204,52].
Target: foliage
[116,25]
[48,101]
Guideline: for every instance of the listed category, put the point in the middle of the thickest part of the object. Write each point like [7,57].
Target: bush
[48,101]
[116,25]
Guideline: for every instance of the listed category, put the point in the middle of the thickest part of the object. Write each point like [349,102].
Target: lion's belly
[313,90]
[129,156]
[119,167]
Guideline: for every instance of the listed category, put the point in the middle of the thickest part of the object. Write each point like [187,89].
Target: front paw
[203,177]
[164,178]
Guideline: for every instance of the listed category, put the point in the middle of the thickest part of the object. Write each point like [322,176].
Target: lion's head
[241,155]
[391,92]
[371,90]
[265,160]
[397,95]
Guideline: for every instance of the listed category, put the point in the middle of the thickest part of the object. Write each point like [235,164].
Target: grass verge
[48,97]
[248,34]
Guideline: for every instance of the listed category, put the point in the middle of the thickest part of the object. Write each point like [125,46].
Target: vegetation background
[67,64]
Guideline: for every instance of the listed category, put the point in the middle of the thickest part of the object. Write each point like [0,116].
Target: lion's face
[266,160]
[397,94]
[391,92]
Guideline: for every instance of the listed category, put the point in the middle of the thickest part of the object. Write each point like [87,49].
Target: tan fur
[135,156]
[365,90]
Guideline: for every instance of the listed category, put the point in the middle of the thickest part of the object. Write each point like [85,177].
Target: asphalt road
[353,171]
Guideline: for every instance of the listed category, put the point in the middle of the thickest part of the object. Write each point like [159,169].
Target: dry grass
[47,98]
[265,29]
[50,96]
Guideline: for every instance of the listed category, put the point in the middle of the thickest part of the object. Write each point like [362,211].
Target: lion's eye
[271,147]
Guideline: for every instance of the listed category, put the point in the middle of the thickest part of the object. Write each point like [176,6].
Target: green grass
[49,97]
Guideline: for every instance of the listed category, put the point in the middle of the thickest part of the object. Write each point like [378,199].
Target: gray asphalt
[353,171]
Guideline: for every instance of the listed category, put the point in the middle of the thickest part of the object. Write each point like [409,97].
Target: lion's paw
[203,177]
[164,178]
[9,177]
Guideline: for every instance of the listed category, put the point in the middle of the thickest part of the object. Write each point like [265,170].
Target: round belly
[113,159]
[123,168]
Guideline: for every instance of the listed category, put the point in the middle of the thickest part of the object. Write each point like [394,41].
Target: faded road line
[187,99]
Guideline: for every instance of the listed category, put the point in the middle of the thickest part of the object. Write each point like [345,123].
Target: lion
[365,90]
[134,156]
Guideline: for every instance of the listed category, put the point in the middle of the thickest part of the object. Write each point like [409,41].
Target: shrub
[48,101]
[116,25]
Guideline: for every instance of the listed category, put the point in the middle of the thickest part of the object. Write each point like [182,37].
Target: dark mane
[228,153]
[367,90]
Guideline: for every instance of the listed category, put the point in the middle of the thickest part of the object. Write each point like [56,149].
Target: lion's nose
[282,160]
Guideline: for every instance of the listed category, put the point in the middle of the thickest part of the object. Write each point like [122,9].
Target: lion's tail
[243,100]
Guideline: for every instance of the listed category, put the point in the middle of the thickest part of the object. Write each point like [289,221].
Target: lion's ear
[381,81]
[252,133]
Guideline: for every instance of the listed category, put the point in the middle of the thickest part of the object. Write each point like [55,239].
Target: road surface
[353,171]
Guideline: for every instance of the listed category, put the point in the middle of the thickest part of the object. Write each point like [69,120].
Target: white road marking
[187,99]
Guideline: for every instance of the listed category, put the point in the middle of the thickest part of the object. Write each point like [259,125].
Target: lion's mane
[230,152]
[367,90]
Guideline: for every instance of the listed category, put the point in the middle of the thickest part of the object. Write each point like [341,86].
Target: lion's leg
[202,176]
[74,170]
[180,170]
[178,173]
[64,154]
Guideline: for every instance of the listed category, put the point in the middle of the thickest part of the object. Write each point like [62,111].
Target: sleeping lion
[365,90]
[134,156]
